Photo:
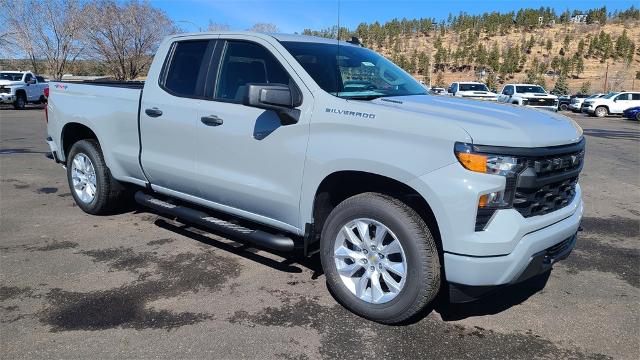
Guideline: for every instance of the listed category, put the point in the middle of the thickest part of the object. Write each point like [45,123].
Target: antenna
[338,75]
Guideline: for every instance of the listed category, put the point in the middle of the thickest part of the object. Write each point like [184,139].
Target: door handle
[153,112]
[211,120]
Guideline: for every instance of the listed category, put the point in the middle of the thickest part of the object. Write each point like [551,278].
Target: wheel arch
[73,132]
[340,185]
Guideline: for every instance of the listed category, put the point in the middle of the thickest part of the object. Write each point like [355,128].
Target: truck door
[248,163]
[30,89]
[169,117]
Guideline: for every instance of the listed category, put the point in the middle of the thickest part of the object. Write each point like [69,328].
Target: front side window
[622,97]
[246,63]
[28,77]
[187,63]
[530,89]
[473,87]
[352,72]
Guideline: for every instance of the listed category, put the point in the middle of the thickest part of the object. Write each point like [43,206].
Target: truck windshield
[610,95]
[530,89]
[473,87]
[353,72]
[10,76]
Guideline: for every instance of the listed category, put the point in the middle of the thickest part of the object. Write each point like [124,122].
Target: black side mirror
[31,81]
[280,98]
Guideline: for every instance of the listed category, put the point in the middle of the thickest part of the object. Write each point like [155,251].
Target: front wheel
[380,258]
[601,111]
[564,107]
[20,103]
[93,188]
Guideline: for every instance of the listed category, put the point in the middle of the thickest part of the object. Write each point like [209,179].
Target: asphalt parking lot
[139,285]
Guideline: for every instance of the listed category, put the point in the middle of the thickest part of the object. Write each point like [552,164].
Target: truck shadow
[613,134]
[500,300]
[290,263]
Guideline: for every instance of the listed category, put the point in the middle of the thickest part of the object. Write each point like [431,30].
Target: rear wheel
[21,102]
[601,111]
[93,188]
[379,257]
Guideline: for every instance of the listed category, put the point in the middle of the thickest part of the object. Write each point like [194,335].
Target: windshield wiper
[363,97]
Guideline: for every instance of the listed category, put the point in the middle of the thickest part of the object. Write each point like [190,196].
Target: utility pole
[606,75]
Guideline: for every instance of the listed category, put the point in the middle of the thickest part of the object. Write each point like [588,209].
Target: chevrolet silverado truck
[472,90]
[21,87]
[266,139]
[528,95]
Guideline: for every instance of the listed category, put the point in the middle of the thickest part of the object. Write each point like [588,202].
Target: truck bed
[110,109]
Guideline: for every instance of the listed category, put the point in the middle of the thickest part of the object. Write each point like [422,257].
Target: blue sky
[294,16]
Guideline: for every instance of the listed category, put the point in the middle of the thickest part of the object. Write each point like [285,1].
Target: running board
[258,237]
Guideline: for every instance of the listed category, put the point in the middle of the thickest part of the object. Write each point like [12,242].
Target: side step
[258,237]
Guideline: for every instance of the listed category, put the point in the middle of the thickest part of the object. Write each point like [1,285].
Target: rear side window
[185,71]
[40,79]
[245,63]
[635,96]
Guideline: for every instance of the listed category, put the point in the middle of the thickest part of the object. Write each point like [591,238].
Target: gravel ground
[139,285]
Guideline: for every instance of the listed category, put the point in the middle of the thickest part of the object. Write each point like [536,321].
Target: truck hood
[10,83]
[477,93]
[488,123]
[537,95]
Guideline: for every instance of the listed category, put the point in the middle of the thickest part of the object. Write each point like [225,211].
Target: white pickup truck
[472,90]
[21,87]
[268,139]
[528,95]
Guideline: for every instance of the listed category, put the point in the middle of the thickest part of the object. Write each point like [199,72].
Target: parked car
[576,102]
[528,95]
[563,102]
[21,87]
[472,90]
[438,91]
[253,136]
[632,113]
[612,103]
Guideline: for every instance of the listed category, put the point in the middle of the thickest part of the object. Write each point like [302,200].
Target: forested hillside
[531,45]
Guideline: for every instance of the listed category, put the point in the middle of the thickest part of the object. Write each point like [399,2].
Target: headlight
[493,164]
[486,163]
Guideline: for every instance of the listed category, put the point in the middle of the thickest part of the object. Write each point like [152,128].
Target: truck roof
[277,36]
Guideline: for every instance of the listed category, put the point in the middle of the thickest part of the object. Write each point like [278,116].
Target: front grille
[541,102]
[548,183]
[546,199]
[5,90]
[553,252]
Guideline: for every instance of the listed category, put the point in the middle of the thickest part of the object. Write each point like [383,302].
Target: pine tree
[561,87]
[585,88]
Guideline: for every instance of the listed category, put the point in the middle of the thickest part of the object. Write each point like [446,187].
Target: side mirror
[32,81]
[280,98]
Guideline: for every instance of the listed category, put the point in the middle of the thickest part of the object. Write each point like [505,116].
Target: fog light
[492,200]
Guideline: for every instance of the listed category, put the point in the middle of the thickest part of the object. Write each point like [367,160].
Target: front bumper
[500,253]
[588,109]
[575,106]
[7,98]
[550,108]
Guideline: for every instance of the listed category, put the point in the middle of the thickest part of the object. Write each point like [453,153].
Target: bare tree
[126,35]
[264,28]
[217,26]
[46,29]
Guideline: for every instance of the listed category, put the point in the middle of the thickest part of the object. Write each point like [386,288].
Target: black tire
[108,192]
[21,102]
[564,107]
[601,111]
[422,283]
[638,116]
